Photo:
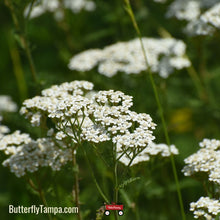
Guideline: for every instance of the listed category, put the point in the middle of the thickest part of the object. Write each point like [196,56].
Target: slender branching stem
[193,74]
[76,184]
[40,192]
[18,70]
[94,178]
[115,179]
[23,38]
[131,14]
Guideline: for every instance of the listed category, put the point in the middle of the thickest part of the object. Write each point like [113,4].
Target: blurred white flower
[160,1]
[212,16]
[6,104]
[3,129]
[164,56]
[184,10]
[205,207]
[202,15]
[55,6]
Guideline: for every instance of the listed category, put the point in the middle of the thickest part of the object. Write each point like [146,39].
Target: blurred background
[190,116]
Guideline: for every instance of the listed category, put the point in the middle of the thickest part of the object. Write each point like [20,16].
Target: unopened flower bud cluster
[206,160]
[28,155]
[164,56]
[205,208]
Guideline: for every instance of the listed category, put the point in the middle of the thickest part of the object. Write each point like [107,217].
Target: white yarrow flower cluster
[205,207]
[212,16]
[80,114]
[95,117]
[6,104]
[99,117]
[199,22]
[164,56]
[205,160]
[56,6]
[147,153]
[3,129]
[28,155]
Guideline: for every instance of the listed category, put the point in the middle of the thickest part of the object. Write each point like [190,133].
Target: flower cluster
[76,114]
[99,117]
[130,159]
[212,16]
[205,207]
[28,155]
[55,6]
[83,115]
[6,104]
[199,22]
[205,160]
[127,129]
[65,105]
[3,129]
[164,56]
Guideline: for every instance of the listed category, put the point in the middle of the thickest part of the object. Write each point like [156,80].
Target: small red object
[114,207]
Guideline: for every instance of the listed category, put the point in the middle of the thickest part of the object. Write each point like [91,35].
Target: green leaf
[128,181]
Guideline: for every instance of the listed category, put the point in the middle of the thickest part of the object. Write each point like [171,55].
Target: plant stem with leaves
[40,192]
[129,10]
[22,37]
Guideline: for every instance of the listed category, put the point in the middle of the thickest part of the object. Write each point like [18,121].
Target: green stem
[76,185]
[131,14]
[115,179]
[23,38]
[18,70]
[40,192]
[191,70]
[204,72]
[94,179]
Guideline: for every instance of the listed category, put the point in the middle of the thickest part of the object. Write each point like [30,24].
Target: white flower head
[205,160]
[205,207]
[199,22]
[3,129]
[6,104]
[212,16]
[57,6]
[164,56]
[83,115]
[134,157]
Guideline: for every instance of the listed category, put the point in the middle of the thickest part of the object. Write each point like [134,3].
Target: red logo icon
[114,207]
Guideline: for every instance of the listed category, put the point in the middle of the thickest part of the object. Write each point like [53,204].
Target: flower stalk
[130,12]
[76,185]
[23,39]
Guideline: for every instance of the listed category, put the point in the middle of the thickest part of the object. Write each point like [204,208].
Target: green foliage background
[189,117]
